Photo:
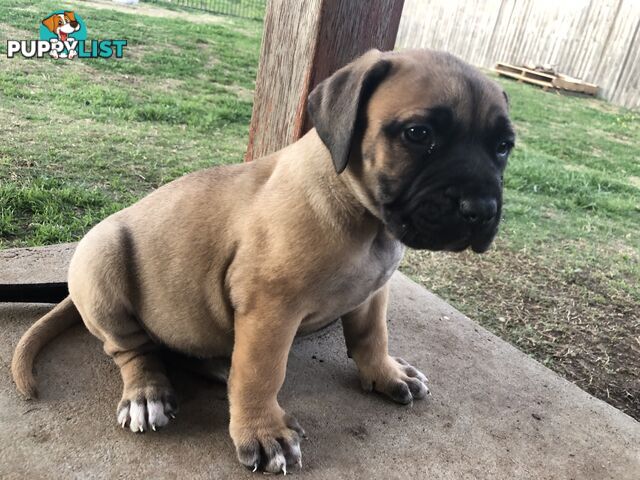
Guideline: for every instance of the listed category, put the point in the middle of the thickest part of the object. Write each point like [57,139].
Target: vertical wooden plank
[509,29]
[628,65]
[303,43]
[607,40]
[620,43]
[485,57]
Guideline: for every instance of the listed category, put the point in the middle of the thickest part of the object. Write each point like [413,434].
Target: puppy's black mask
[451,197]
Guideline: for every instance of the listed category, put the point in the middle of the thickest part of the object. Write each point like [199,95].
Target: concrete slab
[495,413]
[36,264]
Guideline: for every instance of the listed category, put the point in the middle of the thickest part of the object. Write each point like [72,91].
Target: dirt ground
[572,322]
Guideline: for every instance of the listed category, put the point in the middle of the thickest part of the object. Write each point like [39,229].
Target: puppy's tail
[63,316]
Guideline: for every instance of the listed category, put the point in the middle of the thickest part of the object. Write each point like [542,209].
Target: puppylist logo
[63,34]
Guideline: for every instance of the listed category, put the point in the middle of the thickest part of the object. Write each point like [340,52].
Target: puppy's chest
[353,281]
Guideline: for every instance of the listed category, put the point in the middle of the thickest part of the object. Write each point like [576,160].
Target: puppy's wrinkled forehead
[420,81]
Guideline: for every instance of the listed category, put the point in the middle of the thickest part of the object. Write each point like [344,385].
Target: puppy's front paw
[146,408]
[270,445]
[397,379]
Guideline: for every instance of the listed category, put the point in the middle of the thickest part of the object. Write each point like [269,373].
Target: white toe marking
[295,450]
[137,413]
[284,469]
[123,416]
[275,465]
[255,467]
[157,417]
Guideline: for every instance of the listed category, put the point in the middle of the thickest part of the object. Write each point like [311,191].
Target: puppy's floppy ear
[51,22]
[335,103]
[71,16]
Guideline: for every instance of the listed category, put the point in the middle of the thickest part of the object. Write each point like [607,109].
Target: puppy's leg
[365,332]
[148,400]
[265,437]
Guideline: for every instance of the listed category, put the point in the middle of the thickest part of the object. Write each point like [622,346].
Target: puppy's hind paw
[145,413]
[398,380]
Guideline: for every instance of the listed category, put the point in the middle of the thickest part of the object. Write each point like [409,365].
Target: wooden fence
[595,40]
[253,9]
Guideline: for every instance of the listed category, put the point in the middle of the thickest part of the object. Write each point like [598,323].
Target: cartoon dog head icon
[62,24]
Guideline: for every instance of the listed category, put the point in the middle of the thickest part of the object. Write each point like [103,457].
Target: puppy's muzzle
[450,217]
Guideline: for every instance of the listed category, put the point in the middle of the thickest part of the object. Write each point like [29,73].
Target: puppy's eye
[419,134]
[503,148]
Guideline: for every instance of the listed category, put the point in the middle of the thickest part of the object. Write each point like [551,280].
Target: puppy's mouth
[435,240]
[440,227]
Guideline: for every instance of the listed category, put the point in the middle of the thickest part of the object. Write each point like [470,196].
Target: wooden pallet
[545,80]
[565,82]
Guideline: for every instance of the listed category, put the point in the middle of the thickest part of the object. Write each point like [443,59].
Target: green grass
[576,172]
[83,139]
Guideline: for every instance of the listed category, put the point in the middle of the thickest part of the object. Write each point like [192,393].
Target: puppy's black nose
[478,210]
[73,24]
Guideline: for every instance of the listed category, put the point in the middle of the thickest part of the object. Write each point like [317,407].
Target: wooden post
[305,41]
